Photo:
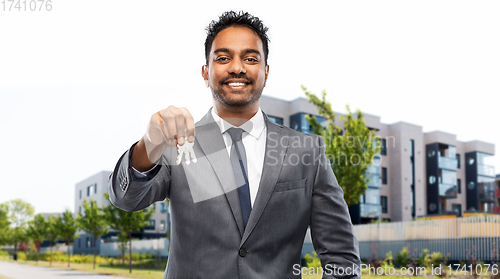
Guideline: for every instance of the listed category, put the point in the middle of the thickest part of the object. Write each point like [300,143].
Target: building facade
[93,188]
[416,173]
[496,209]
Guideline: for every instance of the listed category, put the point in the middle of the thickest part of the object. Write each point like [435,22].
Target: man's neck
[236,116]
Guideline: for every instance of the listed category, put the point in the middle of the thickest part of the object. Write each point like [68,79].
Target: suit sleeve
[332,232]
[130,192]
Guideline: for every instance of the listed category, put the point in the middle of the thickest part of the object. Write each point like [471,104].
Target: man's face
[236,71]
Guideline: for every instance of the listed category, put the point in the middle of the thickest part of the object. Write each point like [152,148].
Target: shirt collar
[254,126]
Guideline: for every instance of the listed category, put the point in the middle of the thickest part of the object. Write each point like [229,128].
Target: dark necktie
[239,163]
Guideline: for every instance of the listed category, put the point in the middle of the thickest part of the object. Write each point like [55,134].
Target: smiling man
[243,209]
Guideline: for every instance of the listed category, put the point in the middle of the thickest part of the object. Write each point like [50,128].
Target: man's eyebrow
[251,50]
[221,50]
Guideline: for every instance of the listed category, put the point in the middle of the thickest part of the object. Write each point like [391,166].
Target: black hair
[231,18]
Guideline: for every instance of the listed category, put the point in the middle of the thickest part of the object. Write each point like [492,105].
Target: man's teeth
[236,84]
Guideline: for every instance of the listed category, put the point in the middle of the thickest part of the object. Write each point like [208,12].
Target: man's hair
[231,18]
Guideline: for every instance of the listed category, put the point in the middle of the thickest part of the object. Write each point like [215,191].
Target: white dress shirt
[254,140]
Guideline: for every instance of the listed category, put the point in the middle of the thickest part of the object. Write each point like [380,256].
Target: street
[22,271]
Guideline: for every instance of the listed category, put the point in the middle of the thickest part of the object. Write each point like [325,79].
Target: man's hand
[167,127]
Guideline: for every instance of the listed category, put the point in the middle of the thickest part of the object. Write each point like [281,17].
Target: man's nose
[237,67]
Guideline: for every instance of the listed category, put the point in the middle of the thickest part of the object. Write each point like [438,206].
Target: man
[243,208]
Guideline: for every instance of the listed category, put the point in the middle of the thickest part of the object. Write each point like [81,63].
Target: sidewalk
[22,271]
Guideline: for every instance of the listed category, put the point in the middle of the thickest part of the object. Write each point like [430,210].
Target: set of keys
[187,150]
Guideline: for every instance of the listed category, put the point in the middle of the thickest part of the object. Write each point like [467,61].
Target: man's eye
[252,60]
[222,59]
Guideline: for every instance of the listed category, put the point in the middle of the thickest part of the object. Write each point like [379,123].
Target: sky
[79,83]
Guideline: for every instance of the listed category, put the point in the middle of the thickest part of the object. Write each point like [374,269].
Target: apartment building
[416,173]
[93,188]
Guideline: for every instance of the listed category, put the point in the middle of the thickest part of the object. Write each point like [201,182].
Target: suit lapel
[211,142]
[276,144]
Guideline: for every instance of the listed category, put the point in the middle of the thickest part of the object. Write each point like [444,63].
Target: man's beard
[221,96]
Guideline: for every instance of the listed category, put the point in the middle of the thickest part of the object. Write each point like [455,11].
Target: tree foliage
[4,224]
[92,222]
[37,230]
[67,229]
[351,150]
[126,222]
[53,232]
[20,212]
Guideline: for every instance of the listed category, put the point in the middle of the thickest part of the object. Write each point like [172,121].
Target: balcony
[496,209]
[486,192]
[447,191]
[370,210]
[498,193]
[373,180]
[447,163]
[486,170]
[373,169]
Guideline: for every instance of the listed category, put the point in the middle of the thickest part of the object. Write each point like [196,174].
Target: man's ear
[204,74]
[267,73]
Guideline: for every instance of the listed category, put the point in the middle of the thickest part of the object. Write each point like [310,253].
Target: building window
[163,207]
[412,148]
[151,225]
[384,176]
[277,120]
[383,147]
[383,203]
[80,209]
[89,243]
[91,190]
[162,225]
[80,194]
[458,160]
[459,186]
[78,242]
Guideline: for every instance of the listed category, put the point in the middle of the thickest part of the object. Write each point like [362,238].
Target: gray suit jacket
[208,240]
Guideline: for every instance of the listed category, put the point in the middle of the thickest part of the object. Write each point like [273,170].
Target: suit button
[243,252]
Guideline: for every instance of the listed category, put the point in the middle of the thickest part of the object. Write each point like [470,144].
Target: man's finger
[190,133]
[169,121]
[180,124]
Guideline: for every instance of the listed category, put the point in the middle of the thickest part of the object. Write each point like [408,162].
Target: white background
[79,83]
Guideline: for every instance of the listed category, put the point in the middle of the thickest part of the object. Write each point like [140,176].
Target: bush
[402,258]
[312,260]
[4,253]
[436,259]
[424,260]
[21,256]
[387,262]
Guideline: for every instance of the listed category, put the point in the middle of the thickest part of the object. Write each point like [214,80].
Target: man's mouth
[236,85]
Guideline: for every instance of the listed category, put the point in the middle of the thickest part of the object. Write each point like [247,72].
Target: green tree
[16,235]
[19,213]
[67,229]
[4,224]
[122,244]
[92,222]
[53,232]
[126,222]
[37,229]
[351,150]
